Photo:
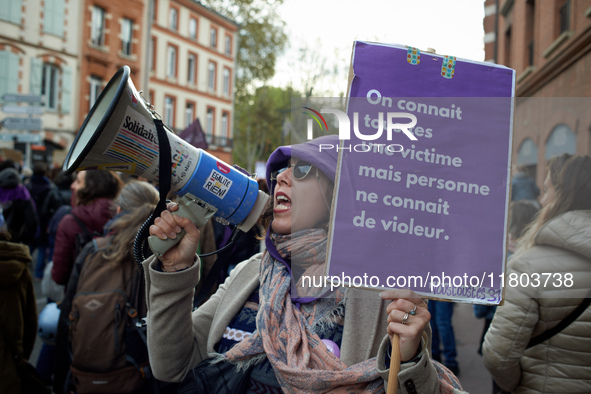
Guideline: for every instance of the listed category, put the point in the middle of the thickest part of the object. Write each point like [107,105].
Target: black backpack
[49,205]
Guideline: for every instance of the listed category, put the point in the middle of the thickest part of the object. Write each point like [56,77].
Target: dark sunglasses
[300,170]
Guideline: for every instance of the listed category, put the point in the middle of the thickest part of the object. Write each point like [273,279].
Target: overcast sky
[329,27]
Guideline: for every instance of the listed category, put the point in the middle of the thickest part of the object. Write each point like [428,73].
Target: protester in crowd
[9,164]
[443,334]
[18,208]
[92,198]
[547,279]
[18,311]
[552,179]
[63,182]
[521,214]
[134,204]
[255,323]
[47,199]
[523,187]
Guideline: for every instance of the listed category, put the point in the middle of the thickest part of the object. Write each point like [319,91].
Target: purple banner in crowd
[423,180]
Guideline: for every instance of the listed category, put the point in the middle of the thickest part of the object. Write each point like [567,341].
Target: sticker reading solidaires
[217,184]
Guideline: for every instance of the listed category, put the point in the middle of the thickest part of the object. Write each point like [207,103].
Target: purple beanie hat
[325,159]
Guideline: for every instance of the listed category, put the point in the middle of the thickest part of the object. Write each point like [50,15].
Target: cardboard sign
[422,189]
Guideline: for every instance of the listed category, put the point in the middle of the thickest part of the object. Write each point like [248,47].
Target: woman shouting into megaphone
[264,329]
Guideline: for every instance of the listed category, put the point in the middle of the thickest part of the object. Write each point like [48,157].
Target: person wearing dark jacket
[18,207]
[47,199]
[92,199]
[18,310]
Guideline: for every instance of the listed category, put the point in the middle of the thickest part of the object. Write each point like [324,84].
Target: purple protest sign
[422,186]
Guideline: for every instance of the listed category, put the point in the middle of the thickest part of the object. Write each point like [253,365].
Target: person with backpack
[47,199]
[104,300]
[93,194]
[540,339]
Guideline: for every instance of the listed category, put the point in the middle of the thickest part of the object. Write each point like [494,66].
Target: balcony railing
[219,140]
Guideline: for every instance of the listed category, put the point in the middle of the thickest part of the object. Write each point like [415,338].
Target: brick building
[548,43]
[111,36]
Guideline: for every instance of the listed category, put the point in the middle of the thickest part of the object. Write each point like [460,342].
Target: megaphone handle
[189,207]
[161,246]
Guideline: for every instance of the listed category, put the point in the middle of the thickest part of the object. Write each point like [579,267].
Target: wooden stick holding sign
[394,365]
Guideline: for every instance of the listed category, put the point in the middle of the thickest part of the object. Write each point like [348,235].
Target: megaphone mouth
[96,120]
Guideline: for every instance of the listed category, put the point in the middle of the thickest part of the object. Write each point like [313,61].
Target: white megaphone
[119,134]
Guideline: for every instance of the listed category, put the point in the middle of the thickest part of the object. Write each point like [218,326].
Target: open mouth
[282,202]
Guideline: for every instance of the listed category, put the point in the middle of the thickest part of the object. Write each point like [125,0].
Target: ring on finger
[405,318]
[413,312]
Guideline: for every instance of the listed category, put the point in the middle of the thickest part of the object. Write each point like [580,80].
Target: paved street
[473,376]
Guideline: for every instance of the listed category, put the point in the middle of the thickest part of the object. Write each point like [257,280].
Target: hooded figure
[18,208]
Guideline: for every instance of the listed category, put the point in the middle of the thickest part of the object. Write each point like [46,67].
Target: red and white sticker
[223,168]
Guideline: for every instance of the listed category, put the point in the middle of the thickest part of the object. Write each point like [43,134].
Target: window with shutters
[193,29]
[225,128]
[228,45]
[564,16]
[9,76]
[210,119]
[10,11]
[213,38]
[211,75]
[173,19]
[227,82]
[97,32]
[53,17]
[189,113]
[169,111]
[192,69]
[50,85]
[126,36]
[171,61]
[96,86]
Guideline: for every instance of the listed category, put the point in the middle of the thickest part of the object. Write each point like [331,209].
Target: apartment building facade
[181,55]
[191,70]
[39,56]
[548,43]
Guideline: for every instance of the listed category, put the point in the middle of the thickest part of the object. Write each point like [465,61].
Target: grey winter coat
[562,364]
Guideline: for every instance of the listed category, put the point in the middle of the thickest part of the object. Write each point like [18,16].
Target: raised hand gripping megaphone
[120,134]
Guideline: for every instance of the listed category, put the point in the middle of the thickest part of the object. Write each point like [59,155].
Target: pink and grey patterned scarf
[284,334]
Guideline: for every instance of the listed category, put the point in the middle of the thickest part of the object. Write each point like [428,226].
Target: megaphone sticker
[134,143]
[223,168]
[217,184]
